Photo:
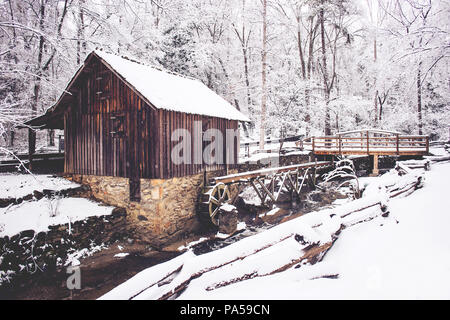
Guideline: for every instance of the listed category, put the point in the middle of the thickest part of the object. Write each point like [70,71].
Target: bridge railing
[367,144]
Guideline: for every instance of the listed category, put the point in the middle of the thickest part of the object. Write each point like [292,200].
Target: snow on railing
[367,144]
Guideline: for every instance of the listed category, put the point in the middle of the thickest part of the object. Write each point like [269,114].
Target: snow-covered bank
[21,185]
[404,256]
[39,215]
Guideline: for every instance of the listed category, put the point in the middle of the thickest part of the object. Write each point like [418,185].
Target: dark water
[312,201]
[215,244]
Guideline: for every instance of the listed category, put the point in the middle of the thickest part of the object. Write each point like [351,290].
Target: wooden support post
[362,140]
[263,199]
[398,144]
[367,142]
[268,193]
[375,171]
[31,147]
[340,145]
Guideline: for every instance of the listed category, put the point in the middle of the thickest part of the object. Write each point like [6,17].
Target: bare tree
[264,79]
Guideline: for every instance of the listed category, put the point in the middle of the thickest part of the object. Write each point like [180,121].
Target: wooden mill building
[118,116]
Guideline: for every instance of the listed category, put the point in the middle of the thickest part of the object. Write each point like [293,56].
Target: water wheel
[213,198]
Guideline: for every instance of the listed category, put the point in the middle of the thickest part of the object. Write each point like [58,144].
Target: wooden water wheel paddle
[214,197]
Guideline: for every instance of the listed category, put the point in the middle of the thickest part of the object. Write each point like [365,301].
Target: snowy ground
[403,256]
[406,256]
[20,185]
[39,215]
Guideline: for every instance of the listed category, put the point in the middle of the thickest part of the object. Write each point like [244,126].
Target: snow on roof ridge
[131,59]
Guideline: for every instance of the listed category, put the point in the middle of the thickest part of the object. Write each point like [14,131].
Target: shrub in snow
[6,276]
[53,207]
[344,169]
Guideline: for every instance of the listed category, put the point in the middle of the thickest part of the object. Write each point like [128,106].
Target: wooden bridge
[371,142]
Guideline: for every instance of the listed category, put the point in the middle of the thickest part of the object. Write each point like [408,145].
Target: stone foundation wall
[167,210]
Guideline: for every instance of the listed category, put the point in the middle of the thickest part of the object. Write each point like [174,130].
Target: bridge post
[367,138]
[340,145]
[397,141]
[375,171]
[31,147]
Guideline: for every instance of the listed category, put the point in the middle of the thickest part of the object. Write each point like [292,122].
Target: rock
[5,202]
[300,239]
[227,221]
[49,192]
[28,197]
[15,238]
[52,228]
[142,218]
[27,234]
[119,212]
[38,195]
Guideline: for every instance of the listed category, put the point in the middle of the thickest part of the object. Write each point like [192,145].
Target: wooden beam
[375,171]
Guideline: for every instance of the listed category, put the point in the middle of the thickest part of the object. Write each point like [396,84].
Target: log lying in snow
[414,164]
[406,184]
[310,254]
[439,158]
[304,239]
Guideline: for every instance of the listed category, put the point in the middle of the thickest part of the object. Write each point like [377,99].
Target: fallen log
[312,254]
[439,158]
[417,164]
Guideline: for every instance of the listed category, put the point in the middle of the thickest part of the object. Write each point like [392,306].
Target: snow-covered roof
[170,91]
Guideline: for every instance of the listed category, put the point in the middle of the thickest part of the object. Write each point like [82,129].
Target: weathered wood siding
[111,131]
[170,121]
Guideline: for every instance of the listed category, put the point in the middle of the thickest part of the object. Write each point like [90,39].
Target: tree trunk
[247,81]
[37,84]
[11,11]
[325,73]
[264,80]
[81,43]
[301,55]
[300,49]
[376,108]
[312,37]
[12,135]
[375,82]
[419,98]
